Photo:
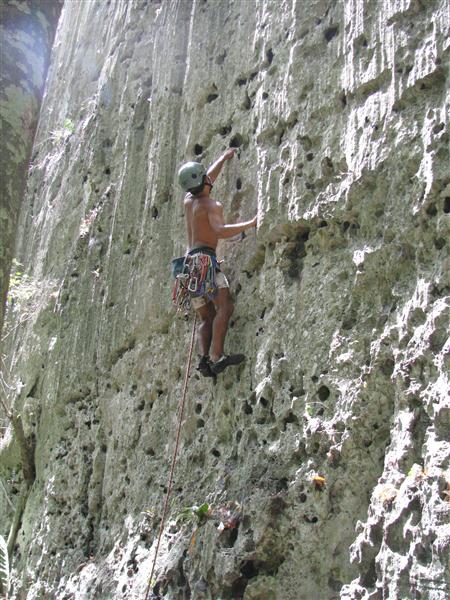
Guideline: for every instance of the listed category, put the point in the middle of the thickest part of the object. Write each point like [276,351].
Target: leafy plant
[4,567]
[25,296]
[228,515]
[417,472]
[309,410]
[21,286]
[69,126]
[64,132]
[196,514]
[16,274]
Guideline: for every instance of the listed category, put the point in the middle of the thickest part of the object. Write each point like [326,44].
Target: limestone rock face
[324,459]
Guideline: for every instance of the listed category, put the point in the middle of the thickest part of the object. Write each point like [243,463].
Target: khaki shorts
[221,282]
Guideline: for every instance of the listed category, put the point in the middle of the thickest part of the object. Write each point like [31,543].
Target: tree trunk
[26,450]
[27,30]
[17,520]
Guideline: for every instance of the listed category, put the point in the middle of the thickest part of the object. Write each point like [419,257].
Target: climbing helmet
[190,175]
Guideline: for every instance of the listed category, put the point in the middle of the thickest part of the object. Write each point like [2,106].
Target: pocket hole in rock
[330,33]
[236,141]
[323,392]
[248,410]
[249,569]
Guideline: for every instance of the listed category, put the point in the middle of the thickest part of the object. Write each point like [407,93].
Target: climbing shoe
[204,367]
[226,361]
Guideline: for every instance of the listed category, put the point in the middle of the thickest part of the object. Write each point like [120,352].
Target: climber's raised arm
[214,170]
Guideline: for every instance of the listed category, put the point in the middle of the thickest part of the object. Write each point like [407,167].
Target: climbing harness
[175,453]
[194,276]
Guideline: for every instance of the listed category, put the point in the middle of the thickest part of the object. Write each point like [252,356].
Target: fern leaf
[4,567]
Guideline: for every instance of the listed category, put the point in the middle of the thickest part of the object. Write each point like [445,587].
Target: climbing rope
[175,453]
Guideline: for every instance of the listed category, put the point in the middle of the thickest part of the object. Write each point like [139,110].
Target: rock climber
[205,225]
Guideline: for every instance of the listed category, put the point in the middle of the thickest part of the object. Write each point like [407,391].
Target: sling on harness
[195,276]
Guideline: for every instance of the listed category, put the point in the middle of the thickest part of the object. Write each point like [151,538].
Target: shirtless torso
[205,222]
[199,213]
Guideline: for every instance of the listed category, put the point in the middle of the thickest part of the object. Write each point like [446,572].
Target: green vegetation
[25,295]
[4,568]
[195,514]
[21,286]
[227,516]
[64,132]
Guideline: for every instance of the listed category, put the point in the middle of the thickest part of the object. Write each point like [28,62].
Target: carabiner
[192,287]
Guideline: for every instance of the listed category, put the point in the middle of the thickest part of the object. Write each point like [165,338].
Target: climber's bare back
[199,213]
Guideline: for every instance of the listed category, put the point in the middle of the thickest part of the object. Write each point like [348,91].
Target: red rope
[175,453]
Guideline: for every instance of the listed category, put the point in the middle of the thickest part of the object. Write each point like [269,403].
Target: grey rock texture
[325,458]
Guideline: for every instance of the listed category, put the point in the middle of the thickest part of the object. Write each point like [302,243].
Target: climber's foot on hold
[226,361]
[204,367]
